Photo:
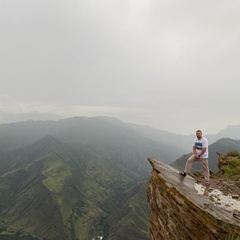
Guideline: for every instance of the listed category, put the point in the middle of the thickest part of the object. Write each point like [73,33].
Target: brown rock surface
[178,212]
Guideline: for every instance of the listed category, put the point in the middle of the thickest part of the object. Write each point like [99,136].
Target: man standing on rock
[200,154]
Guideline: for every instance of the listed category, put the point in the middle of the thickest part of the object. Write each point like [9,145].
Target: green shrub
[231,237]
[233,153]
[231,171]
[229,164]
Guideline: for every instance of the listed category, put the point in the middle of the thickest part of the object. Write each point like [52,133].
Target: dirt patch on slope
[223,183]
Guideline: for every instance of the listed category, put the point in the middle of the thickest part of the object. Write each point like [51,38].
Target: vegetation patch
[56,172]
[229,164]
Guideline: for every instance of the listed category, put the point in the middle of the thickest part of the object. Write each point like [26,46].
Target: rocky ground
[223,183]
[227,181]
[229,187]
[226,185]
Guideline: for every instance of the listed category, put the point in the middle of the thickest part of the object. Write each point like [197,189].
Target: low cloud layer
[173,65]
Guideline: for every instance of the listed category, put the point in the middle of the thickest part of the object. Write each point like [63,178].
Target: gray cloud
[173,65]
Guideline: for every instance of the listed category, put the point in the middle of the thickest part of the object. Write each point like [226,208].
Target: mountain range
[82,178]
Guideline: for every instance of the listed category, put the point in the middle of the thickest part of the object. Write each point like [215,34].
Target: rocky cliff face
[178,211]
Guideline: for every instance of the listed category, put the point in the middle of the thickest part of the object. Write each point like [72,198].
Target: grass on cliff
[229,164]
[229,237]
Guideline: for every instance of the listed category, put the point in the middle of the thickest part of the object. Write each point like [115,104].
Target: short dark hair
[199,131]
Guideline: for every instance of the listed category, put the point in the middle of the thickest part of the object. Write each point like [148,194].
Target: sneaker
[183,174]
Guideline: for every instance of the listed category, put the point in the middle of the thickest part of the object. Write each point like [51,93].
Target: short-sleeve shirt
[200,144]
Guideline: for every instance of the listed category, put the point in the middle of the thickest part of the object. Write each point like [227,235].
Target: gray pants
[202,161]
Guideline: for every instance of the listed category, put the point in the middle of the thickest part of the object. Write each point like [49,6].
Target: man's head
[199,134]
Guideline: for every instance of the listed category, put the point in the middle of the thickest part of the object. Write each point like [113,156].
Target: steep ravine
[178,212]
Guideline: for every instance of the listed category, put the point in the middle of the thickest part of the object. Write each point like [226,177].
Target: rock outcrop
[178,212]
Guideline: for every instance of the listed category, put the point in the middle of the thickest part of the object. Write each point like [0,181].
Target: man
[200,154]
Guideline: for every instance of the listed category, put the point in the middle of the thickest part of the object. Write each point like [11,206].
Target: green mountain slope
[130,218]
[57,190]
[26,203]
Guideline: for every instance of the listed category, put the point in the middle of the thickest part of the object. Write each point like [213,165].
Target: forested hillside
[76,179]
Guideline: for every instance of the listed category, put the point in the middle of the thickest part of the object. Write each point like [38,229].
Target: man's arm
[202,152]
[205,144]
[194,151]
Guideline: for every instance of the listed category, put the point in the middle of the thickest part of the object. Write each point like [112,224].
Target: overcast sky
[170,64]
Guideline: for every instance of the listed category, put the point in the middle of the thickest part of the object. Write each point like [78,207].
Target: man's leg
[189,164]
[205,168]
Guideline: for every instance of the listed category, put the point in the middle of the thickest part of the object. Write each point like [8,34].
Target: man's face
[199,134]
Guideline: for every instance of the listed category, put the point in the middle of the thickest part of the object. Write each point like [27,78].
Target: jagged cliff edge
[178,212]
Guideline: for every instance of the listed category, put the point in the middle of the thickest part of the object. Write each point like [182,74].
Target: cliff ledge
[178,211]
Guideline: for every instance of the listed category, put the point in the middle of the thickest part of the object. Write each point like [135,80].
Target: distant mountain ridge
[82,130]
[11,117]
[19,134]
